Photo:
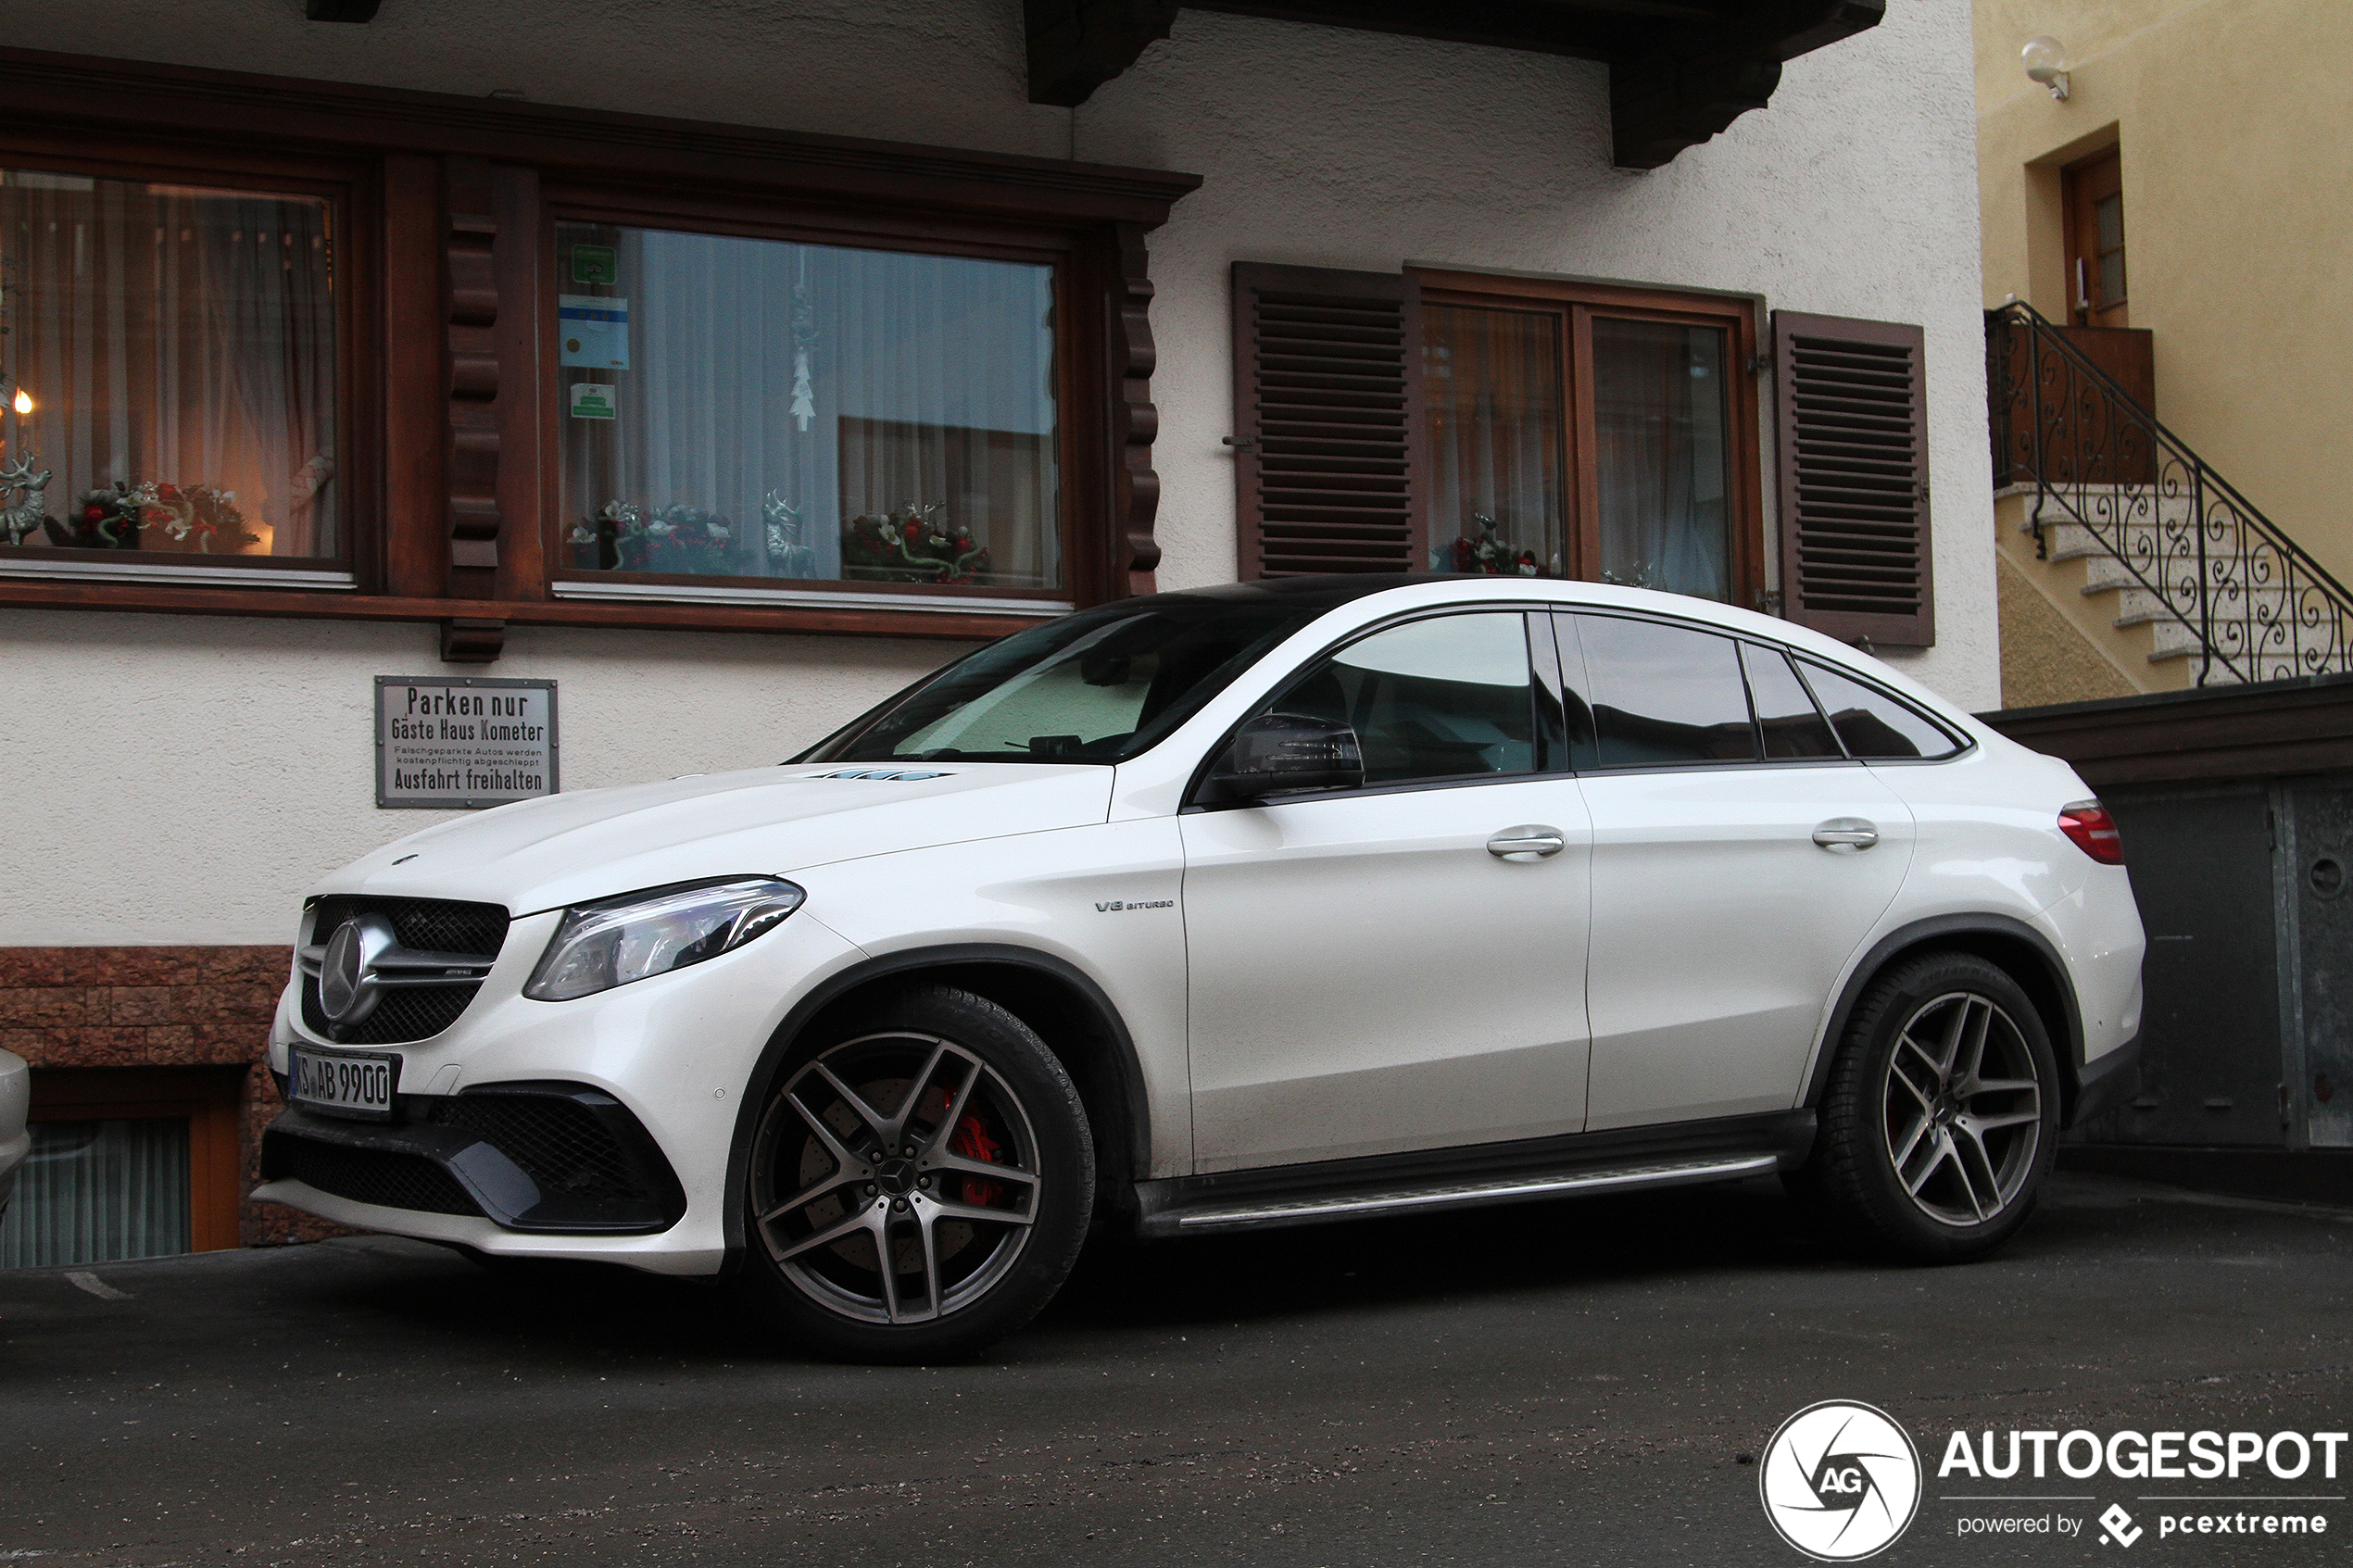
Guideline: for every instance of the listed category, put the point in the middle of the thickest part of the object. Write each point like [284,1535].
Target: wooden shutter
[1853,481]
[1327,421]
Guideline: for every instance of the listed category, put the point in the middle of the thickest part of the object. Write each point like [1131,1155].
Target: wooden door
[2094,198]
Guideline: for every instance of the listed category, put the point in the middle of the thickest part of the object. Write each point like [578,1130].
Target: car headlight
[614,941]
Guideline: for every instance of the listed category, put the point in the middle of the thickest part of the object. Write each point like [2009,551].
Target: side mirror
[1280,752]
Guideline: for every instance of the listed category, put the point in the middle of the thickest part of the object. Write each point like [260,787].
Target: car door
[1376,970]
[1739,859]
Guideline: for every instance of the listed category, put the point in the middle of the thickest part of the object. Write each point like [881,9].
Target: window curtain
[1659,418]
[93,1192]
[1491,382]
[174,341]
[786,390]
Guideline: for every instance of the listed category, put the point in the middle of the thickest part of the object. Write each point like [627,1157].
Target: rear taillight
[2093,830]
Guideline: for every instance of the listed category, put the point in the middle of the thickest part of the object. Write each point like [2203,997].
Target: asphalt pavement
[1564,1383]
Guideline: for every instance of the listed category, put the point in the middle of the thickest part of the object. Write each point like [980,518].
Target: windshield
[1102,685]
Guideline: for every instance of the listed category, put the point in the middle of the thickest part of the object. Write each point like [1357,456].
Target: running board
[1511,1174]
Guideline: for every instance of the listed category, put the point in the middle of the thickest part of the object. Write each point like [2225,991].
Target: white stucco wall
[179,779]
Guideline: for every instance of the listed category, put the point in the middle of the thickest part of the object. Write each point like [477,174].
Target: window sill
[808,598]
[158,574]
[890,618]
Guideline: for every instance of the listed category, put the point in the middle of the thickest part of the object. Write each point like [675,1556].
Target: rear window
[1875,726]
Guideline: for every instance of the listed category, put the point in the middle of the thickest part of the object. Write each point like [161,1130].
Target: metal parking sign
[446,743]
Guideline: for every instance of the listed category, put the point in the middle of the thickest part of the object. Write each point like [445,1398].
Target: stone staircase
[2154,572]
[2148,637]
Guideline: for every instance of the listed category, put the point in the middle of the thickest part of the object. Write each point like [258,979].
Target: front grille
[409,1014]
[559,1143]
[383,1177]
[432,925]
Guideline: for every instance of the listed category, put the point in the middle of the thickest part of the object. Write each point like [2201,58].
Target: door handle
[1847,834]
[1529,840]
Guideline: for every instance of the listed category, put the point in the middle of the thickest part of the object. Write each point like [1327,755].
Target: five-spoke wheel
[1941,1114]
[919,1181]
[1964,1109]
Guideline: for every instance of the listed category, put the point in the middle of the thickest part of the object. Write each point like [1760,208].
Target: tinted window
[1430,699]
[1874,724]
[1786,716]
[1665,694]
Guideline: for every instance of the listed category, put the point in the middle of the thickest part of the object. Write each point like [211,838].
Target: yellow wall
[2235,117]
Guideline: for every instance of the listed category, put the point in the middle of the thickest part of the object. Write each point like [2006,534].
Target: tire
[984,1218]
[1940,1116]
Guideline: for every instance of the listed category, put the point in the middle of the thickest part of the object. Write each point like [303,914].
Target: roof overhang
[1679,71]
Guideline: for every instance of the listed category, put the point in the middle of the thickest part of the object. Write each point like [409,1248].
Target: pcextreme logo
[1840,1481]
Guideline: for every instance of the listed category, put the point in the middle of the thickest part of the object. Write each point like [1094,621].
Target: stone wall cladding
[160,1007]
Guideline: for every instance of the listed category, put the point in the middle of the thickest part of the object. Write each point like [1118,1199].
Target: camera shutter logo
[1840,1481]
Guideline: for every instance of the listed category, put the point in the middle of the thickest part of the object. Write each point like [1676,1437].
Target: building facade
[731,369]
[2169,213]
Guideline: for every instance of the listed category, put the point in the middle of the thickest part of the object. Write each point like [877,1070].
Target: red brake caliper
[973,1142]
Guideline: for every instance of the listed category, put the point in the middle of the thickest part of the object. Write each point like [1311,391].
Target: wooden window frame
[450,359]
[349,187]
[206,1097]
[1575,304]
[599,204]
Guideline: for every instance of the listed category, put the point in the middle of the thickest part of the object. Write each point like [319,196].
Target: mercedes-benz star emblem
[347,990]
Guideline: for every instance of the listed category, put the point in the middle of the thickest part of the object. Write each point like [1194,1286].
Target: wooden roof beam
[1680,70]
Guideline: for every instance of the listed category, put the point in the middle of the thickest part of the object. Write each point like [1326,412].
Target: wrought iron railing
[2262,609]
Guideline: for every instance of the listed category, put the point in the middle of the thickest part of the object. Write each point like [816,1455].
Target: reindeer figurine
[25,517]
[786,555]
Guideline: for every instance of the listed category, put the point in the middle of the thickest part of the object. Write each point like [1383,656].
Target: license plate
[346,1086]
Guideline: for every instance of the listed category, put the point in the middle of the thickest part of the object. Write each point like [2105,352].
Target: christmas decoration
[804,338]
[102,520]
[787,556]
[908,546]
[25,517]
[1487,556]
[686,540]
[195,511]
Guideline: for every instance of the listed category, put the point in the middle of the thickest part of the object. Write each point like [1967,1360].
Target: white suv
[1253,906]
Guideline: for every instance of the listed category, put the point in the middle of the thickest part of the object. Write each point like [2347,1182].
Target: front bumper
[548,1159]
[673,1054]
[16,1140]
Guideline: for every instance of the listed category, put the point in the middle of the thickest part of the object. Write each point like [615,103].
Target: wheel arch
[1054,997]
[2012,945]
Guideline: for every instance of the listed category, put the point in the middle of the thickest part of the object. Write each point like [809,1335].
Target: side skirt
[1427,1181]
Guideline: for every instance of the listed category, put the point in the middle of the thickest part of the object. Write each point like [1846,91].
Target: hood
[569,848]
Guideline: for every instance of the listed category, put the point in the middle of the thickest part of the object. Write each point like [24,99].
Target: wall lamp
[2045,62]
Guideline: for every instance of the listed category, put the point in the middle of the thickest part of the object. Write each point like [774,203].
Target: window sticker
[593,400]
[595,264]
[594,331]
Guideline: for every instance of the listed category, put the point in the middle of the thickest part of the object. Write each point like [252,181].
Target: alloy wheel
[896,1178]
[1963,1109]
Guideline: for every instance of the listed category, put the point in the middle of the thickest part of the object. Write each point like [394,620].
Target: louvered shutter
[1328,414]
[1854,480]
